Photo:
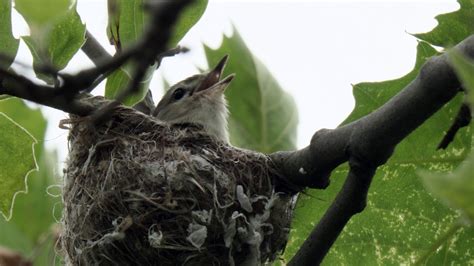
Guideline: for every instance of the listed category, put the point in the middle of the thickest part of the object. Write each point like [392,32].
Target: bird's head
[198,100]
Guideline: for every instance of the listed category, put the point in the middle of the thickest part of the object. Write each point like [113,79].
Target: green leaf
[17,161]
[57,47]
[39,13]
[30,119]
[401,220]
[452,27]
[113,12]
[456,189]
[12,237]
[263,117]
[29,227]
[187,20]
[127,22]
[465,70]
[121,78]
[132,21]
[9,45]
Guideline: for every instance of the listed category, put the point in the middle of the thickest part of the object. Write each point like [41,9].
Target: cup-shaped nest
[140,192]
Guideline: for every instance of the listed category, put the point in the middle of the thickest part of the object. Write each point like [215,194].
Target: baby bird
[199,100]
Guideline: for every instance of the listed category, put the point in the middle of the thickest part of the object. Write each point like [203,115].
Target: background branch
[366,143]
[94,50]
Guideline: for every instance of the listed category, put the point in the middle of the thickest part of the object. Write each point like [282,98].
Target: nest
[141,192]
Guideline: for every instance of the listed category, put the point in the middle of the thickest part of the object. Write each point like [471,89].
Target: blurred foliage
[127,21]
[263,117]
[56,34]
[31,230]
[188,18]
[58,45]
[40,13]
[30,126]
[465,70]
[456,189]
[120,79]
[9,45]
[16,162]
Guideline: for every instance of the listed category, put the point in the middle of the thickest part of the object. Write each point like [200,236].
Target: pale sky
[315,49]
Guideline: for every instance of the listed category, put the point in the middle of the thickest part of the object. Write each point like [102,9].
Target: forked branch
[366,144]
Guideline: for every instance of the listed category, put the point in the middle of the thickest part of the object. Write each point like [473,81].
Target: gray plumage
[199,100]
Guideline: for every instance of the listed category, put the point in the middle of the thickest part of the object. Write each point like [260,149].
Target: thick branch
[366,143]
[23,88]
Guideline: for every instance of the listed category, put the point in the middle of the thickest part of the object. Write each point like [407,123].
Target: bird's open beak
[212,82]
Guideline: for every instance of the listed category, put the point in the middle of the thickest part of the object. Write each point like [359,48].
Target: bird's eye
[178,94]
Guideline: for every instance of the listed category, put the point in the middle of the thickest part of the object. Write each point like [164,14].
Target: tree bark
[366,144]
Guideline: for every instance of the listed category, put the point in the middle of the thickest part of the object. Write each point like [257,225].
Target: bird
[199,100]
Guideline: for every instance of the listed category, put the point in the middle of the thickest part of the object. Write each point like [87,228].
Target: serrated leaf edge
[35,169]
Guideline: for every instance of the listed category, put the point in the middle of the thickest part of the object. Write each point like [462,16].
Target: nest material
[139,192]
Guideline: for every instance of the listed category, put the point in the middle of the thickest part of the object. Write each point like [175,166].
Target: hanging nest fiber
[140,192]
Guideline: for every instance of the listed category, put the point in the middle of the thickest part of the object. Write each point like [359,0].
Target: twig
[171,52]
[462,119]
[97,54]
[104,113]
[39,67]
[366,143]
[147,105]
[73,84]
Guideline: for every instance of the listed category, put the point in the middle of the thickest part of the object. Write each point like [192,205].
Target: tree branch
[70,94]
[21,87]
[366,143]
[94,50]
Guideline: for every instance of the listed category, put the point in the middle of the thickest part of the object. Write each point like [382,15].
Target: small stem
[451,231]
